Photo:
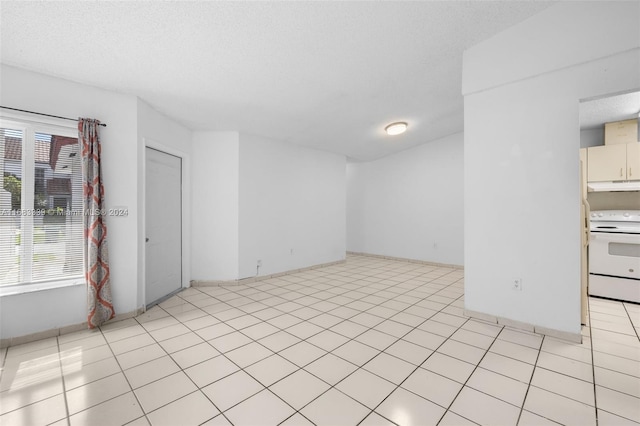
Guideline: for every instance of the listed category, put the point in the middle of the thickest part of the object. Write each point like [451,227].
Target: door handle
[620,171]
[146,240]
[629,171]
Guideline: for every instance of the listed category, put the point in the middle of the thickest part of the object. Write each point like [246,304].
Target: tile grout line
[350,339]
[448,408]
[416,367]
[357,314]
[179,321]
[330,352]
[629,318]
[121,370]
[303,320]
[526,394]
[343,320]
[380,351]
[398,386]
[361,368]
[593,363]
[181,370]
[64,385]
[243,369]
[144,414]
[63,393]
[321,287]
[594,366]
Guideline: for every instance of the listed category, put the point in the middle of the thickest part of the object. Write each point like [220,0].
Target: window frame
[30,127]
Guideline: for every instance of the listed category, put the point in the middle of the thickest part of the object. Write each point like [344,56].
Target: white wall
[292,206]
[34,312]
[356,193]
[157,131]
[521,182]
[409,204]
[214,205]
[561,36]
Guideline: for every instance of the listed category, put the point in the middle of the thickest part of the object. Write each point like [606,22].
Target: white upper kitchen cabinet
[607,163]
[633,161]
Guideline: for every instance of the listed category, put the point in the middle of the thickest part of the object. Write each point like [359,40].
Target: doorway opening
[610,179]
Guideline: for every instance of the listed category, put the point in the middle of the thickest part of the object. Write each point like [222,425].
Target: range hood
[633,185]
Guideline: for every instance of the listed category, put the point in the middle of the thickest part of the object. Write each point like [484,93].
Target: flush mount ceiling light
[396,128]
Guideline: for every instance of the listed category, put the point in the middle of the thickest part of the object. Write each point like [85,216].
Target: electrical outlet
[516,284]
[259,263]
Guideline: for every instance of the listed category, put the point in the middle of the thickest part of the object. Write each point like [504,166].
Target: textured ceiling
[593,114]
[328,75]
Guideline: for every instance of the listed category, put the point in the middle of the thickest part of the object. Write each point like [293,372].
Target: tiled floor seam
[635,329]
[122,371]
[448,408]
[526,394]
[593,363]
[45,398]
[346,319]
[277,353]
[360,367]
[64,384]
[292,415]
[181,370]
[412,372]
[69,415]
[347,285]
[618,415]
[144,413]
[199,389]
[370,328]
[266,388]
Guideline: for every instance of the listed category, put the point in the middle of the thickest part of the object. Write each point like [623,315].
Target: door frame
[184,216]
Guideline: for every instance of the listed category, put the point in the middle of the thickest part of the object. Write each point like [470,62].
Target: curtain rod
[46,115]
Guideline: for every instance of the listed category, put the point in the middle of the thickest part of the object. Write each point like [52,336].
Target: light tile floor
[368,342]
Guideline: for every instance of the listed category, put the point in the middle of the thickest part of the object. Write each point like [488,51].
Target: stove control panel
[616,215]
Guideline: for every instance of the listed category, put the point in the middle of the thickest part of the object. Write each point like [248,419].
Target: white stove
[614,254]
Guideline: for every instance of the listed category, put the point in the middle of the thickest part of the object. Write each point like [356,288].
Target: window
[41,221]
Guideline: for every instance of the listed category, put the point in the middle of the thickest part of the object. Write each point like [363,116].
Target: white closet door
[163,219]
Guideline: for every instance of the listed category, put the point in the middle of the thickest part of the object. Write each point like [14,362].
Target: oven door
[614,254]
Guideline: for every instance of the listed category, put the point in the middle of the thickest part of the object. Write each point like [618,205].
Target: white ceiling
[594,113]
[328,75]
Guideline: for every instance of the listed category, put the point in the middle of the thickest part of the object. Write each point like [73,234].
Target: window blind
[11,145]
[41,203]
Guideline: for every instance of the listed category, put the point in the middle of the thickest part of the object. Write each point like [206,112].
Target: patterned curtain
[96,257]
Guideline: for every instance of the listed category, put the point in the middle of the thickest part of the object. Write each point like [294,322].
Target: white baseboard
[54,332]
[213,283]
[404,259]
[532,328]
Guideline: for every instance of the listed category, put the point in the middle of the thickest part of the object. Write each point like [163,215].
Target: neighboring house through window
[41,221]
